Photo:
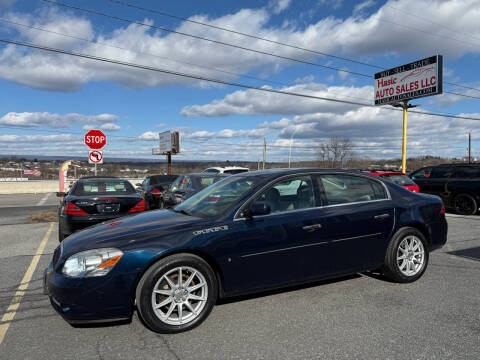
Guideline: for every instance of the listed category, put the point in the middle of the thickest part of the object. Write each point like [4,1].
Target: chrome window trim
[237,217]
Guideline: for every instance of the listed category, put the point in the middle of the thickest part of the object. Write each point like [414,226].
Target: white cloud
[47,119]
[254,102]
[279,5]
[110,127]
[354,36]
[359,8]
[149,135]
[227,133]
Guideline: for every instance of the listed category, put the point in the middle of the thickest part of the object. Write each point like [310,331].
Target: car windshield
[103,187]
[400,179]
[220,197]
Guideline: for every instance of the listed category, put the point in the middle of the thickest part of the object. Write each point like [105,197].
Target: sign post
[169,144]
[95,140]
[406,82]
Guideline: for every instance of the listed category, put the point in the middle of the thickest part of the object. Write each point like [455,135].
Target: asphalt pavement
[358,317]
[16,208]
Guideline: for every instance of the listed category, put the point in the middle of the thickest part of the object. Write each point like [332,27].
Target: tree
[335,153]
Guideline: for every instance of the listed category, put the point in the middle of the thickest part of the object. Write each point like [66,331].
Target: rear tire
[465,204]
[407,256]
[168,305]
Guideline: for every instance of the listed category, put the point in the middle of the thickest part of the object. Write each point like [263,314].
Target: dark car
[187,185]
[457,184]
[247,233]
[152,188]
[92,200]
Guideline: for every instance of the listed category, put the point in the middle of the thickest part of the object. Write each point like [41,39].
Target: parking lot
[359,317]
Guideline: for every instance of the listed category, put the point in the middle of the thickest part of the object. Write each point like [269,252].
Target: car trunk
[107,205]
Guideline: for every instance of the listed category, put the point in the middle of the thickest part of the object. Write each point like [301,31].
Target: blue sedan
[249,232]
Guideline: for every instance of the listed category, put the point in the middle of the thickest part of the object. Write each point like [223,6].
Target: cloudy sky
[48,100]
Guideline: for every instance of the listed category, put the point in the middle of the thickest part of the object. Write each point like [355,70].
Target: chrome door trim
[309,245]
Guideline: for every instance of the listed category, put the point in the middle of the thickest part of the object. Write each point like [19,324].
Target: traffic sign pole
[404,145]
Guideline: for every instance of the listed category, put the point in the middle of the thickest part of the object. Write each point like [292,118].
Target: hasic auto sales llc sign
[417,79]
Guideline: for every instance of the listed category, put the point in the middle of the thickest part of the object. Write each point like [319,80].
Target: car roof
[384,173]
[99,177]
[227,168]
[207,174]
[292,171]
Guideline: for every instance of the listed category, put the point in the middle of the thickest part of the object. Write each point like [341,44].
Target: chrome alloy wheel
[180,295]
[410,255]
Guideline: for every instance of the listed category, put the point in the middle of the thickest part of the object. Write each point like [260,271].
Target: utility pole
[469,148]
[264,152]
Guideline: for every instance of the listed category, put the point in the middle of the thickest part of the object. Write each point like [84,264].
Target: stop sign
[95,139]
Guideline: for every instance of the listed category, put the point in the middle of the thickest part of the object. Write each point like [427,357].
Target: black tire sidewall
[391,268]
[150,278]
[475,206]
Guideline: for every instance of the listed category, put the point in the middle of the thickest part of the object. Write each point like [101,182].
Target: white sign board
[410,81]
[165,140]
[95,157]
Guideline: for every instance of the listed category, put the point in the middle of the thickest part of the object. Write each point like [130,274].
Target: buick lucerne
[249,232]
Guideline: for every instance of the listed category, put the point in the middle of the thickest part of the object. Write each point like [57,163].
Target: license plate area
[108,208]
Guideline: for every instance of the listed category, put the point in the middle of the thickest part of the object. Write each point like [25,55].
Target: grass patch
[43,216]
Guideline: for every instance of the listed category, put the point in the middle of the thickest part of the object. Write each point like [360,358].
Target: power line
[158,56]
[217,41]
[162,13]
[206,39]
[218,81]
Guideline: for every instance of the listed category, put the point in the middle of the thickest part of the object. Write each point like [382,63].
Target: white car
[226,170]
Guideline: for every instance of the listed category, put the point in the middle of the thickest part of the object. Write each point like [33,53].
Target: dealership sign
[415,80]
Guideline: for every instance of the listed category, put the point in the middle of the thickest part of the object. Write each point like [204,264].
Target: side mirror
[61,194]
[256,209]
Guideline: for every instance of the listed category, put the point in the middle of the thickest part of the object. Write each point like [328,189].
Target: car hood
[126,230]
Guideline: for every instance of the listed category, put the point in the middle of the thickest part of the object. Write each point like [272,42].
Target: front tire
[465,204]
[176,294]
[407,256]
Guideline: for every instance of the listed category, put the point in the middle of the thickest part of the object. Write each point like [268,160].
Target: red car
[398,178]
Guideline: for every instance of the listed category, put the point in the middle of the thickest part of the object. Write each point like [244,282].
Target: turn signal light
[442,210]
[72,209]
[141,206]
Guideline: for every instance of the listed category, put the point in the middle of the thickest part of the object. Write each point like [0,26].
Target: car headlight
[90,263]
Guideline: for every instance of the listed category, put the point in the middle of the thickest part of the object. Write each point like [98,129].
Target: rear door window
[347,189]
[467,172]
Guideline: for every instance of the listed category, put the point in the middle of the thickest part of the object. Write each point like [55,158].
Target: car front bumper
[86,300]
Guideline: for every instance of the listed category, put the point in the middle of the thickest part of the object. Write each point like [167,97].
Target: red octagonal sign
[95,139]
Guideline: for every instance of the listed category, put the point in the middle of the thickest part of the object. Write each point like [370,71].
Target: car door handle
[312,227]
[381,216]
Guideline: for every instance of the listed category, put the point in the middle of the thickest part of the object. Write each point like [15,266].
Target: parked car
[457,184]
[396,177]
[249,232]
[95,199]
[152,188]
[226,170]
[185,186]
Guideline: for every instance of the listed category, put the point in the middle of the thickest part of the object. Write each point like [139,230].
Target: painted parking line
[17,298]
[43,200]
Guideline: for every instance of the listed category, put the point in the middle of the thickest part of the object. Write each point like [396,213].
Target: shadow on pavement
[471,253]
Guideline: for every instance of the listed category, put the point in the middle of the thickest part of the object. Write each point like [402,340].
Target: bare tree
[335,153]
